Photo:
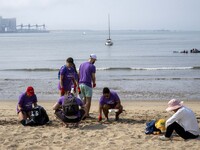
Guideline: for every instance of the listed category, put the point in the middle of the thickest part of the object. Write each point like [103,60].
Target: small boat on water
[109,41]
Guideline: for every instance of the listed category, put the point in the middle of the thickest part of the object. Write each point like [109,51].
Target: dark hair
[106,90]
[74,66]
[70,60]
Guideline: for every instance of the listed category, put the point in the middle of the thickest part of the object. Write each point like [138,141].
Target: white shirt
[186,118]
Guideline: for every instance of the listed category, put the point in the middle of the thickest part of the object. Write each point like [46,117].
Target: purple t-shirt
[26,102]
[68,76]
[114,98]
[79,102]
[86,70]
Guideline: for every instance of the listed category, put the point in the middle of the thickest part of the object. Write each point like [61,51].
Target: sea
[140,65]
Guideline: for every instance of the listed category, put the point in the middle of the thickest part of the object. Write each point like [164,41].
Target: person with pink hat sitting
[183,121]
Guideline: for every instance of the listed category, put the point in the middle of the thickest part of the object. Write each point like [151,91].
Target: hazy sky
[92,14]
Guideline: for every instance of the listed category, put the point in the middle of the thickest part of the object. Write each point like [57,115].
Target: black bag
[39,116]
[70,106]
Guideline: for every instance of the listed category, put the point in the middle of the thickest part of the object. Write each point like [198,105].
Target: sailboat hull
[109,43]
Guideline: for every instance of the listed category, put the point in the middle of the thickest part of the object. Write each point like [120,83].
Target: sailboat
[109,41]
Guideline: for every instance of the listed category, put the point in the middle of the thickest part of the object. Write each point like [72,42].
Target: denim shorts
[86,91]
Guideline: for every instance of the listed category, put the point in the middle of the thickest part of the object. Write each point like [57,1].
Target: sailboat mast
[109,25]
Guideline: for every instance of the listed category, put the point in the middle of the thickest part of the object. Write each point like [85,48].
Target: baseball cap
[93,56]
[30,91]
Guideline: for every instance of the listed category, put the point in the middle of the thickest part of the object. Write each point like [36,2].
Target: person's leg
[120,108]
[179,130]
[88,105]
[88,99]
[60,116]
[105,110]
[82,88]
[190,136]
[82,114]
[22,116]
[63,93]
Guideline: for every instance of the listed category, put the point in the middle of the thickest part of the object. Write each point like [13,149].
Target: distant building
[7,25]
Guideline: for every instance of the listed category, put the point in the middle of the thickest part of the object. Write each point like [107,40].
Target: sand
[127,134]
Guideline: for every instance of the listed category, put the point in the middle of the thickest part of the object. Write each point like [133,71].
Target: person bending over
[69,109]
[109,100]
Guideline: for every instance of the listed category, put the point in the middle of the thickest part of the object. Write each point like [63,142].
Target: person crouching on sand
[25,104]
[183,122]
[69,109]
[109,100]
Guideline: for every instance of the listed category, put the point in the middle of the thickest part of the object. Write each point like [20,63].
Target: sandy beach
[127,134]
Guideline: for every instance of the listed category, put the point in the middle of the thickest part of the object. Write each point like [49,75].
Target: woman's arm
[19,107]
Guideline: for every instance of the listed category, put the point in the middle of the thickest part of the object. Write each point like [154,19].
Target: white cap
[93,56]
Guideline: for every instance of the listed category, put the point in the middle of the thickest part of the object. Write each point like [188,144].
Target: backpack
[150,127]
[60,70]
[70,106]
[39,116]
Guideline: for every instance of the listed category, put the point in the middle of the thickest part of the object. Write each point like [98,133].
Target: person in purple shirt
[67,77]
[109,100]
[67,117]
[25,104]
[87,81]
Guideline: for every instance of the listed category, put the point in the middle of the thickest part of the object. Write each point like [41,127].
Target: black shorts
[61,116]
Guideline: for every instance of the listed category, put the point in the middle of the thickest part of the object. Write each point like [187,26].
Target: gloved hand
[79,90]
[99,118]
[62,91]
[94,85]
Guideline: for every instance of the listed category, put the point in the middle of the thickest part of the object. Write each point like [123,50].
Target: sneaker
[163,138]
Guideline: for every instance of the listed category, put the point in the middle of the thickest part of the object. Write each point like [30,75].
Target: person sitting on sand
[69,109]
[109,100]
[67,77]
[183,122]
[25,104]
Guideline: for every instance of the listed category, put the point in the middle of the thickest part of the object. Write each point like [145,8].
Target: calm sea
[140,65]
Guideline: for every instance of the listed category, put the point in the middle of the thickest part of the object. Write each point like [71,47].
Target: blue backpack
[60,70]
[150,127]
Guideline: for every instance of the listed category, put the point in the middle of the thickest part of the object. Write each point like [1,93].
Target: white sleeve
[177,116]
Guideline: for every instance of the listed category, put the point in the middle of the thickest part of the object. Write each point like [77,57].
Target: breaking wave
[107,68]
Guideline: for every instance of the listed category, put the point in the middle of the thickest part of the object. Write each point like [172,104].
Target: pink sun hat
[174,104]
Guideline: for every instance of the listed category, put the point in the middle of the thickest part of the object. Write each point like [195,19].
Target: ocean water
[140,65]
